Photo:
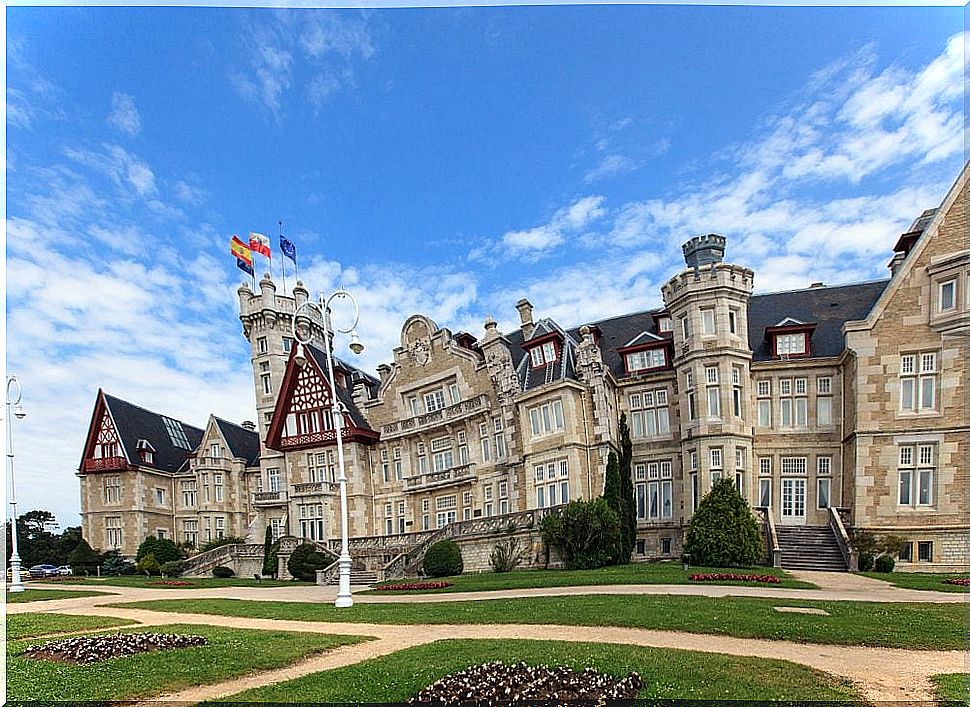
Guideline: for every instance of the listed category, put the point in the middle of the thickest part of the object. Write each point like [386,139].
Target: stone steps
[810,548]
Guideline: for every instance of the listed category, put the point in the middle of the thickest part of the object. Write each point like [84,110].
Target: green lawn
[921,580]
[667,674]
[48,594]
[898,625]
[31,625]
[136,580]
[953,688]
[230,653]
[634,573]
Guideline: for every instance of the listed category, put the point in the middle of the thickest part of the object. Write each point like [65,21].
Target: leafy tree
[148,564]
[113,563]
[443,559]
[305,561]
[586,532]
[628,518]
[163,549]
[173,568]
[83,559]
[723,532]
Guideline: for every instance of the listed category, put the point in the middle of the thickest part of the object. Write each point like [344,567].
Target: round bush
[173,569]
[885,563]
[443,559]
[222,572]
[722,532]
[866,560]
[305,561]
[149,565]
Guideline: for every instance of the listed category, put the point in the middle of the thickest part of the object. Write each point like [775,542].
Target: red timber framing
[537,343]
[103,450]
[302,417]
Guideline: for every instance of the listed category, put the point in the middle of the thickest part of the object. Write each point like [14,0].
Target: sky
[443,161]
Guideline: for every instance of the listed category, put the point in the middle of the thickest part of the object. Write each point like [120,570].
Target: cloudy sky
[443,161]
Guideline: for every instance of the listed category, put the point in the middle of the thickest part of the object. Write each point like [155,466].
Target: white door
[793,501]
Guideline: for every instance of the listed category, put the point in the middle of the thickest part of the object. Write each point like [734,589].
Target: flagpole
[282,258]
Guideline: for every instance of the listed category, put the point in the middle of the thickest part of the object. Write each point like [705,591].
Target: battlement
[708,278]
[704,250]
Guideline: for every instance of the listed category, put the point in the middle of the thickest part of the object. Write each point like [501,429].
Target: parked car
[65,571]
[40,571]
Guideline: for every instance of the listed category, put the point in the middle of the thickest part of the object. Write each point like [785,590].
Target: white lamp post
[344,598]
[13,407]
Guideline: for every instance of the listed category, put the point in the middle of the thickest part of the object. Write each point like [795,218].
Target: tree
[587,533]
[148,565]
[614,498]
[443,559]
[628,519]
[723,532]
[267,548]
[163,549]
[305,561]
[83,558]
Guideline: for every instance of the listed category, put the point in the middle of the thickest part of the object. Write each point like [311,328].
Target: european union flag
[244,266]
[289,250]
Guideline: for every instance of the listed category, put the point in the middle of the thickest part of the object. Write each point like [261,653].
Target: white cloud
[535,242]
[124,115]
[610,166]
[124,169]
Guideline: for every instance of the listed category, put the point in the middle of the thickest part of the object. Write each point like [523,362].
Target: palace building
[831,408]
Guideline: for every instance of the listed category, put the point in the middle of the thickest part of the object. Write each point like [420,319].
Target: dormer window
[146,452]
[544,354]
[646,352]
[664,325]
[646,360]
[790,344]
[789,337]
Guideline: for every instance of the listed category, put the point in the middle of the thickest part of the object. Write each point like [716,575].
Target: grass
[896,625]
[927,581]
[32,625]
[634,573]
[667,673]
[231,652]
[196,582]
[48,594]
[953,688]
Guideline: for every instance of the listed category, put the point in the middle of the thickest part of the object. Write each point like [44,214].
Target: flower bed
[85,650]
[498,683]
[170,583]
[959,581]
[731,577]
[413,586]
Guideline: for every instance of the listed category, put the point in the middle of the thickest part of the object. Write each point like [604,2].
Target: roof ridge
[153,412]
[824,287]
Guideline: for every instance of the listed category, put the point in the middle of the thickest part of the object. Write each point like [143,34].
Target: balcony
[206,462]
[314,488]
[315,438]
[439,479]
[263,499]
[105,464]
[458,411]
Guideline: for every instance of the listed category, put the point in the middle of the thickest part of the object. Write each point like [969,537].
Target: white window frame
[952,285]
[917,375]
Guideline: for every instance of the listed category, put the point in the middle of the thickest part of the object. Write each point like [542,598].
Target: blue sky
[444,161]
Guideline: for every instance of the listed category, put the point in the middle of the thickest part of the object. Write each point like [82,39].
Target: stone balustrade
[433,479]
[451,413]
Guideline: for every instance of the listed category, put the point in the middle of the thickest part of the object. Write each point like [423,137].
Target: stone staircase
[809,548]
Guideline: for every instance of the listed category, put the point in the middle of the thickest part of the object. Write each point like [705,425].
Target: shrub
[173,568]
[222,572]
[885,563]
[506,556]
[267,550]
[271,560]
[115,564]
[213,544]
[83,558]
[305,561]
[586,532]
[723,533]
[866,560]
[443,559]
[149,565]
[163,549]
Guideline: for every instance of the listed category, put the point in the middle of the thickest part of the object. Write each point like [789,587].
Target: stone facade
[849,397]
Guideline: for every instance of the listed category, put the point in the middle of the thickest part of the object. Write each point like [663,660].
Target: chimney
[816,285]
[525,315]
[704,250]
[248,425]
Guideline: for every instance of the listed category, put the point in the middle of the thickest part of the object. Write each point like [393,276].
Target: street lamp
[344,598]
[13,407]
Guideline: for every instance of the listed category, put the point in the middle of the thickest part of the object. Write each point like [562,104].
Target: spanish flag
[241,250]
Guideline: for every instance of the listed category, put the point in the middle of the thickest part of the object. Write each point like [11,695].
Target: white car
[64,571]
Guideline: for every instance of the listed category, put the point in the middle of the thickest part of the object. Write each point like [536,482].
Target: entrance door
[793,501]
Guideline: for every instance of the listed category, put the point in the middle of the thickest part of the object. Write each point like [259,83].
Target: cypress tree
[628,516]
[268,569]
[613,495]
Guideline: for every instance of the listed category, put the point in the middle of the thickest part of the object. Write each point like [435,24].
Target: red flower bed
[409,586]
[960,582]
[729,576]
[170,583]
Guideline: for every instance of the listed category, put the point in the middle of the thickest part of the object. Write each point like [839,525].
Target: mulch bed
[403,586]
[498,683]
[85,650]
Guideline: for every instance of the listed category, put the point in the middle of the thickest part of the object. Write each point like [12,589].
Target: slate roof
[242,443]
[134,423]
[345,396]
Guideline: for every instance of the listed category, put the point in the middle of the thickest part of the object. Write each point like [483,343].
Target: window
[446,503]
[215,450]
[546,418]
[906,552]
[737,393]
[823,466]
[764,493]
[220,528]
[454,393]
[717,461]
[261,345]
[691,401]
[790,344]
[425,522]
[823,410]
[413,405]
[740,456]
[917,380]
[694,492]
[645,360]
[823,385]
[385,467]
[824,491]
[217,481]
[503,489]
[794,465]
[948,295]
[487,491]
[764,403]
[189,493]
[764,388]
[924,551]
[276,528]
[713,392]
[267,384]
[443,518]
[321,467]
[541,355]
[500,445]
[287,344]
[654,494]
[159,497]
[388,519]
[764,466]
[398,464]
[794,410]
[435,400]
[112,531]
[486,442]
[664,324]
[112,489]
[190,532]
[685,326]
[443,460]
[917,469]
[649,414]
[425,505]
[552,483]
[161,533]
[273,479]
[707,322]
[734,318]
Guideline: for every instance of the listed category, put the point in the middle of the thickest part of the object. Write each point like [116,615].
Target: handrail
[773,547]
[849,553]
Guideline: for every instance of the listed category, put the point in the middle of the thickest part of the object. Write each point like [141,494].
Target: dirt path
[882,674]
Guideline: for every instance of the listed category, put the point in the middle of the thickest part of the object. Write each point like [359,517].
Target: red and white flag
[258,243]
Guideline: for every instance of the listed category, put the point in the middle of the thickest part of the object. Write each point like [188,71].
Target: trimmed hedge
[885,563]
[222,572]
[443,559]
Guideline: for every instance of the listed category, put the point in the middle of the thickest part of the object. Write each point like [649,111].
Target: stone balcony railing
[105,464]
[269,498]
[435,479]
[458,411]
[207,462]
[315,438]
[313,488]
